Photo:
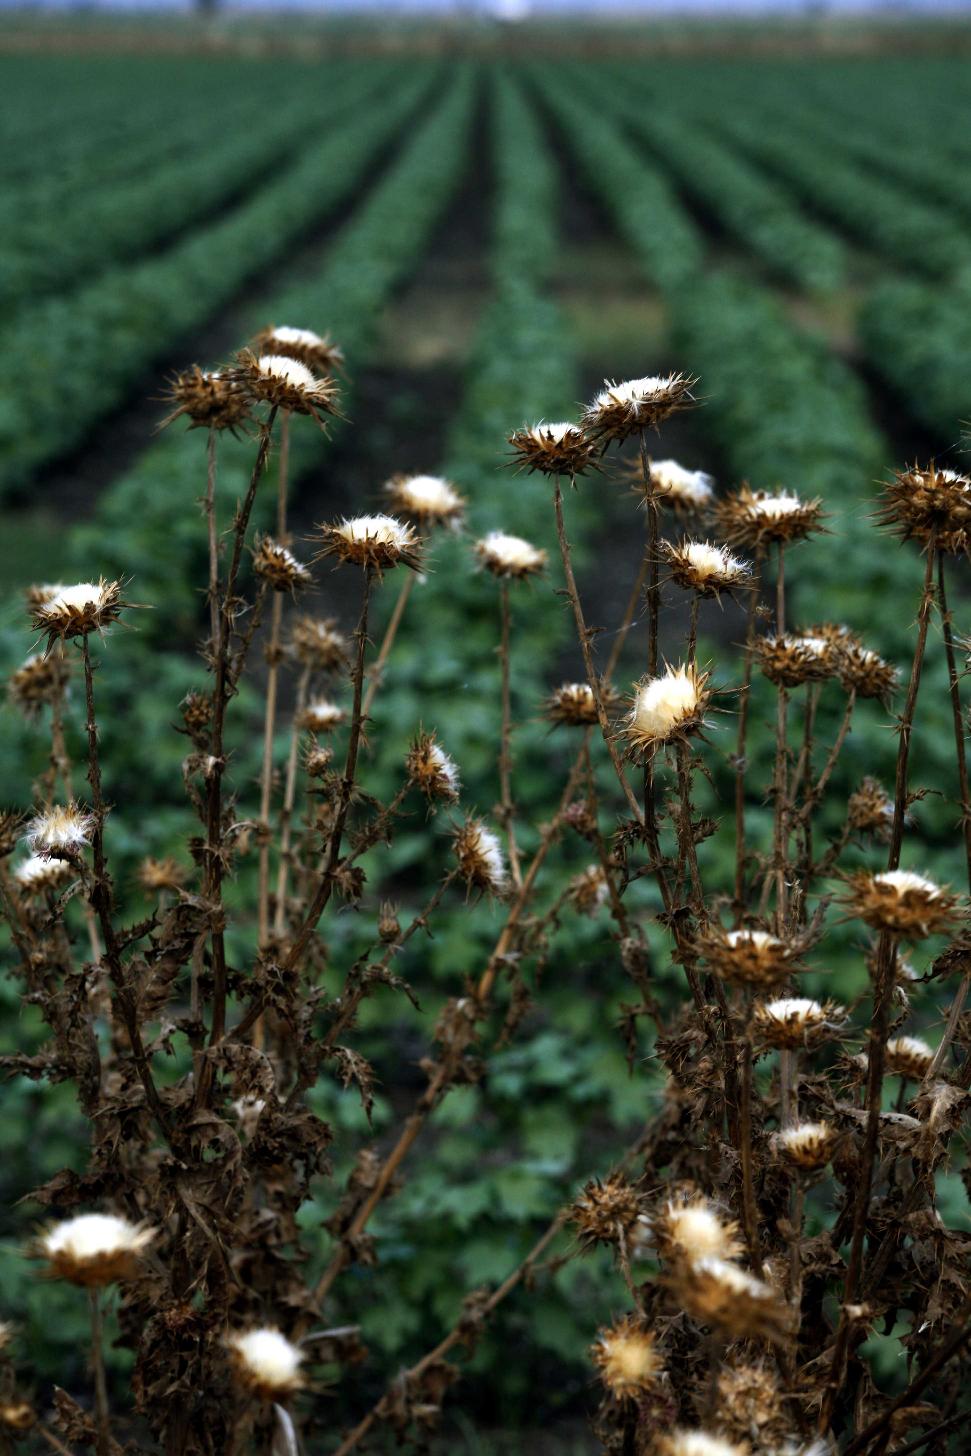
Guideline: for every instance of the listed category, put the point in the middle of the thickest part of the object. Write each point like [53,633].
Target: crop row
[68,361]
[752,207]
[121,220]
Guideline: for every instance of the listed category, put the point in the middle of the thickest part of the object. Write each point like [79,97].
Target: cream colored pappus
[266,1362]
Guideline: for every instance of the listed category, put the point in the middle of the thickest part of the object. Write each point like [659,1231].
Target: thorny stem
[214,861]
[625,626]
[332,852]
[388,641]
[61,765]
[653,564]
[816,791]
[957,1005]
[506,814]
[693,628]
[273,658]
[750,1215]
[213,534]
[883,998]
[584,636]
[286,811]
[741,766]
[780,853]
[102,1415]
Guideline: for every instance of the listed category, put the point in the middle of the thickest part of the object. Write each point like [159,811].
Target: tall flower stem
[60,761]
[286,811]
[505,739]
[653,562]
[883,1001]
[274,657]
[780,790]
[102,1415]
[388,641]
[212,531]
[588,663]
[741,766]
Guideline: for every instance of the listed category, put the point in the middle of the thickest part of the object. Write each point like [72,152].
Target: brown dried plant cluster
[780,1203]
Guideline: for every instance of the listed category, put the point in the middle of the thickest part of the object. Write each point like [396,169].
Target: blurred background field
[490,219]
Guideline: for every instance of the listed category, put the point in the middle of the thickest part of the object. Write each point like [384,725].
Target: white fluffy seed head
[281,366]
[384,530]
[287,334]
[760,939]
[663,705]
[478,851]
[39,872]
[266,1361]
[650,389]
[699,1443]
[692,489]
[905,882]
[445,766]
[321,716]
[695,1230]
[94,1249]
[776,507]
[506,555]
[60,829]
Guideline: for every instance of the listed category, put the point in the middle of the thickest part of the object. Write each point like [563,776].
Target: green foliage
[915,337]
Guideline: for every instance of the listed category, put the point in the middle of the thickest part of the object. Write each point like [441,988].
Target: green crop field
[488,231]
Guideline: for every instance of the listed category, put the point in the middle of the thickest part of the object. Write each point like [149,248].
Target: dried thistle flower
[40,873]
[791,660]
[624,409]
[196,713]
[689,492]
[376,543]
[428,499]
[315,350]
[75,611]
[719,1293]
[60,831]
[606,1211]
[755,518]
[480,860]
[265,1362]
[554,449]
[11,827]
[155,875]
[431,769]
[42,679]
[209,399]
[588,891]
[320,716]
[666,709]
[509,557]
[807,1145]
[282,381]
[627,1357]
[901,902]
[866,672]
[920,503]
[278,566]
[704,568]
[869,810]
[17,1415]
[574,704]
[689,1226]
[908,1056]
[94,1249]
[749,957]
[794,1021]
[750,1403]
[318,644]
[698,1443]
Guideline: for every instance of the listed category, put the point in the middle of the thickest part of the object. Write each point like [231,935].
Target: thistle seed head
[60,831]
[687,492]
[666,709]
[574,704]
[901,902]
[480,859]
[908,1056]
[625,409]
[208,399]
[509,557]
[75,611]
[749,957]
[793,1021]
[286,383]
[42,679]
[806,1145]
[40,873]
[265,1362]
[606,1211]
[320,716]
[719,1293]
[95,1249]
[689,1226]
[316,351]
[869,810]
[698,1443]
[156,875]
[432,771]
[920,503]
[704,568]
[318,644]
[756,518]
[750,1403]
[376,543]
[553,449]
[791,660]
[428,499]
[588,891]
[627,1357]
[278,566]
